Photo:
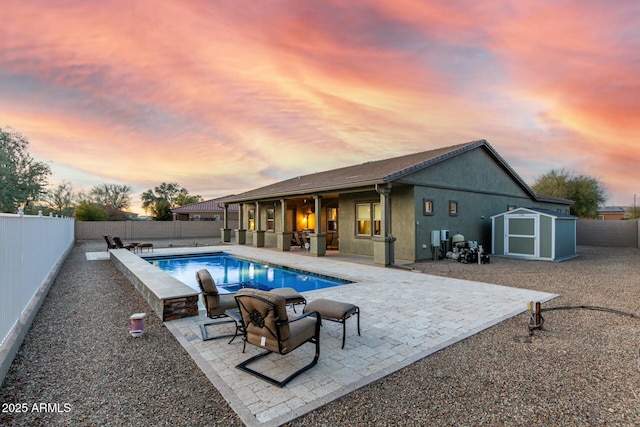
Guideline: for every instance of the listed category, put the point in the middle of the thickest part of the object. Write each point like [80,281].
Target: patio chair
[120,245]
[305,241]
[110,244]
[215,304]
[266,325]
[297,241]
[330,241]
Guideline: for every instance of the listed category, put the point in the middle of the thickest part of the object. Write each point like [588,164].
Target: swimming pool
[232,273]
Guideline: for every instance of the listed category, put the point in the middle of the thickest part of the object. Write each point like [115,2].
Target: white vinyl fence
[32,249]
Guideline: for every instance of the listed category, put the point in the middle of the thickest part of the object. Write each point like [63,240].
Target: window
[511,207]
[332,219]
[453,208]
[377,219]
[252,219]
[363,219]
[368,214]
[271,219]
[428,207]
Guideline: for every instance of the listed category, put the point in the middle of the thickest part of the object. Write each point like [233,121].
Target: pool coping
[168,297]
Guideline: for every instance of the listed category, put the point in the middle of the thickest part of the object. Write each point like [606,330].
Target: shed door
[521,235]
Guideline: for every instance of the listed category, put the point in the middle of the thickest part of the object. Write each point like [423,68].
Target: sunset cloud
[222,97]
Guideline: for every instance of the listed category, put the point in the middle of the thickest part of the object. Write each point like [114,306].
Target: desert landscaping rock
[581,368]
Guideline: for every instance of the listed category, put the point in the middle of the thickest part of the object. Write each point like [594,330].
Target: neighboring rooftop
[612,209]
[213,205]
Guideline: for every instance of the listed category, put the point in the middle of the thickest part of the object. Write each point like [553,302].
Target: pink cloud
[200,90]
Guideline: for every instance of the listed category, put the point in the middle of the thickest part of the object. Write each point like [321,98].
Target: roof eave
[307,191]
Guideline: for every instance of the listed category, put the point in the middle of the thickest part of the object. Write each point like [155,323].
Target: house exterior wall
[350,243]
[481,188]
[403,222]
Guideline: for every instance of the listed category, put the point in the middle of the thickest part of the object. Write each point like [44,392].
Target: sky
[222,97]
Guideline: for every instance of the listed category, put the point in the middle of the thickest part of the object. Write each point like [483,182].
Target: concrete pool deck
[405,316]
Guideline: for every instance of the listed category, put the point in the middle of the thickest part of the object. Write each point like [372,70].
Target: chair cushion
[330,309]
[291,296]
[223,303]
[260,316]
[206,282]
[214,303]
[301,331]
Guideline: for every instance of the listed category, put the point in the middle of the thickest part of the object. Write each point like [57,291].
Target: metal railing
[31,247]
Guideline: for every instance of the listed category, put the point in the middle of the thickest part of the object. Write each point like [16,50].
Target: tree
[91,212]
[22,179]
[186,199]
[164,197]
[60,199]
[162,211]
[111,195]
[633,212]
[587,192]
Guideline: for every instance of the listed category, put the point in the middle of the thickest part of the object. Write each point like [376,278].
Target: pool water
[231,273]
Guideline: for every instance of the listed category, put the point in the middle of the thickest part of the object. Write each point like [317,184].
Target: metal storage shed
[532,233]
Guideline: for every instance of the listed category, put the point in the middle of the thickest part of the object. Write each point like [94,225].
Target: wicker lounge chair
[266,325]
[214,303]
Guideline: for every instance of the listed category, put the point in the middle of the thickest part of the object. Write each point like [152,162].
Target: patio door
[521,237]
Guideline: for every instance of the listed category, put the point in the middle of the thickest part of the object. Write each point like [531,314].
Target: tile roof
[369,173]
[611,209]
[213,205]
[377,172]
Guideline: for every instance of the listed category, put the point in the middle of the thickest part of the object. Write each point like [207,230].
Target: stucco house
[388,208]
[607,213]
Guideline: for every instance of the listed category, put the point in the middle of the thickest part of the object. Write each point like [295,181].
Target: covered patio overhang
[313,213]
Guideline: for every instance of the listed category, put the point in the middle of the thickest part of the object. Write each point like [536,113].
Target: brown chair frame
[215,305]
[121,245]
[272,325]
[110,244]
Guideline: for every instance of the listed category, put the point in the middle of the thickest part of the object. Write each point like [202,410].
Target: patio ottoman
[335,311]
[291,296]
[140,246]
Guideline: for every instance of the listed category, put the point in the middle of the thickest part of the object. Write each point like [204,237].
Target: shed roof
[546,212]
[377,172]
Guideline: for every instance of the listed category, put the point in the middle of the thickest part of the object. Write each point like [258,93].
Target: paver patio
[405,316]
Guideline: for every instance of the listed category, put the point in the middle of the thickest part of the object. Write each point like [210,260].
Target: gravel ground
[79,352]
[582,368]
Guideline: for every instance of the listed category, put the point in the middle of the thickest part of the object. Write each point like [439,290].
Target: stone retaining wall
[168,297]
